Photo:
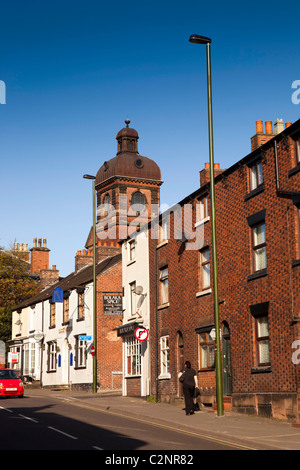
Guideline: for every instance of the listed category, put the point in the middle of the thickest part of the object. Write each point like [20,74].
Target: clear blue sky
[74,71]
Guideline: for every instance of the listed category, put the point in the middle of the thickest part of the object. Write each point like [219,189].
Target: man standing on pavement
[189,380]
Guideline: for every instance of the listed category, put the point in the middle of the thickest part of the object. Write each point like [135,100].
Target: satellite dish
[139,290]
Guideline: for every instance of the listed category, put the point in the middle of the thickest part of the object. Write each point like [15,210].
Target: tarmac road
[54,423]
[110,422]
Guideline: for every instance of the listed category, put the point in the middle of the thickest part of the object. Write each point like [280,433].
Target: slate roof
[73,280]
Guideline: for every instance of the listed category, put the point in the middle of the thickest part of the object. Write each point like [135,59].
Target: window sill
[261,370]
[165,242]
[80,319]
[258,274]
[202,221]
[295,170]
[133,377]
[131,262]
[203,292]
[162,306]
[164,376]
[254,192]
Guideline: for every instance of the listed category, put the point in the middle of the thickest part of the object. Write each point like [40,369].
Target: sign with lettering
[112,304]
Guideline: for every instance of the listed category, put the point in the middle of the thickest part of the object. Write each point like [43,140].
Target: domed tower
[128,193]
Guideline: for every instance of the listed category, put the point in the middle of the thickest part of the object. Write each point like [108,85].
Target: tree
[16,286]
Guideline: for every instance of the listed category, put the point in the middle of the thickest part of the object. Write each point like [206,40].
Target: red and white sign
[93,350]
[141,333]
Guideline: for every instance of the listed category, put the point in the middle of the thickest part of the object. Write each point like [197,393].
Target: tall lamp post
[90,177]
[196,39]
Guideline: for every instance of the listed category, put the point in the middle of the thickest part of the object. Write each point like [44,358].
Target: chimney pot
[44,243]
[34,242]
[216,166]
[269,127]
[40,243]
[206,165]
[288,124]
[259,127]
[54,267]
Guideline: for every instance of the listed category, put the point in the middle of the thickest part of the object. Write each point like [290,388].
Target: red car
[10,383]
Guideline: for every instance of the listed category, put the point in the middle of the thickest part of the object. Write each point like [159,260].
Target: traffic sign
[93,350]
[85,338]
[141,333]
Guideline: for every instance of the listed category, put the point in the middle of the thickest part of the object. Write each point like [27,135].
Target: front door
[227,377]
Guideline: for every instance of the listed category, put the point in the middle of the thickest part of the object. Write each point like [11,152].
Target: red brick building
[258,244]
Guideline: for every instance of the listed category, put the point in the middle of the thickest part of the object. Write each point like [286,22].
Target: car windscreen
[8,374]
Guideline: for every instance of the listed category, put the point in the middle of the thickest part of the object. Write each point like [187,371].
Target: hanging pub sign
[112,304]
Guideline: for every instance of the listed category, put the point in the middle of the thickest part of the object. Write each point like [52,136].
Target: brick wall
[109,345]
[239,289]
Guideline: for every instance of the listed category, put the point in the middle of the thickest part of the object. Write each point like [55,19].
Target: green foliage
[16,285]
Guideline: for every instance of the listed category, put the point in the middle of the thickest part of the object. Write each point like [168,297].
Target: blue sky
[74,71]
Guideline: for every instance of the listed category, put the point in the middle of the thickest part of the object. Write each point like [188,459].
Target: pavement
[237,430]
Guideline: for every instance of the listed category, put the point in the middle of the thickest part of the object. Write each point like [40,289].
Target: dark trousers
[188,392]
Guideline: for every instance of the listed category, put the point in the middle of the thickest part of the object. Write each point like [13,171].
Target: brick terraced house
[258,244]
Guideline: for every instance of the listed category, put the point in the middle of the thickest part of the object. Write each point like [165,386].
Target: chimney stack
[39,256]
[260,138]
[48,277]
[21,250]
[83,258]
[205,173]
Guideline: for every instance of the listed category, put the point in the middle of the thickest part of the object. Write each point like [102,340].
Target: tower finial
[127,122]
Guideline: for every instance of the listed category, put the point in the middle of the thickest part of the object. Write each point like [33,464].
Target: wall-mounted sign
[112,304]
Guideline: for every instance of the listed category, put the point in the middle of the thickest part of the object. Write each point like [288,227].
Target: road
[54,423]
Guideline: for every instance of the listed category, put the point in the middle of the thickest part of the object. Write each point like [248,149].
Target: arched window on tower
[106,204]
[138,202]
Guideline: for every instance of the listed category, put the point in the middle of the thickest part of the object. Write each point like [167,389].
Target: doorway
[226,352]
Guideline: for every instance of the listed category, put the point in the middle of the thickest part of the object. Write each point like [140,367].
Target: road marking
[29,419]
[6,409]
[97,448]
[170,428]
[61,432]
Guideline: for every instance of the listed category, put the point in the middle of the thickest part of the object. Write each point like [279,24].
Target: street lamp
[90,177]
[196,39]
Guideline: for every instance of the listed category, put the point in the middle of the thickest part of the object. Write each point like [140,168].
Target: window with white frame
[52,314]
[132,250]
[80,353]
[81,304]
[204,269]
[259,250]
[132,287]
[206,350]
[202,209]
[297,151]
[163,231]
[133,356]
[26,353]
[51,357]
[164,285]
[256,175]
[164,356]
[262,340]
